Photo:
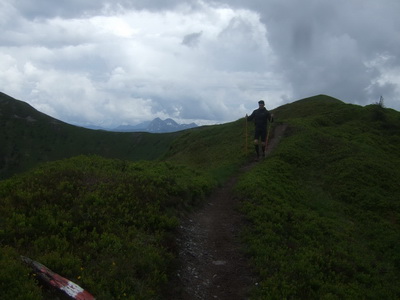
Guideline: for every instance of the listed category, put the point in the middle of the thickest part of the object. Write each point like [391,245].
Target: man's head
[261,103]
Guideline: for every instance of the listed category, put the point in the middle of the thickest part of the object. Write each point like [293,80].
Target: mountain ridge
[29,137]
[320,213]
[157,125]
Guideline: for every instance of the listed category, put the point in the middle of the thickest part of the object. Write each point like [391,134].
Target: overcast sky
[113,62]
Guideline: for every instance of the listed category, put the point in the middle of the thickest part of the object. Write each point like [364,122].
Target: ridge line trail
[212,264]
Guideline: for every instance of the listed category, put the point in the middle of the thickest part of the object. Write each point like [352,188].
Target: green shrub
[16,282]
[322,212]
[104,224]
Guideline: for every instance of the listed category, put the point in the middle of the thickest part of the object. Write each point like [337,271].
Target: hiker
[261,117]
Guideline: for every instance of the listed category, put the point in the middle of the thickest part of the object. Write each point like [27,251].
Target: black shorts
[260,132]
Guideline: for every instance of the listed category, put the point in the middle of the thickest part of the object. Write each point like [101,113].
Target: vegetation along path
[212,265]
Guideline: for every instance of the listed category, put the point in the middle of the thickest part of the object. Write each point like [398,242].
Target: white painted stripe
[72,289]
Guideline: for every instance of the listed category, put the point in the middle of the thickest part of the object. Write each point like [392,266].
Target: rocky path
[212,265]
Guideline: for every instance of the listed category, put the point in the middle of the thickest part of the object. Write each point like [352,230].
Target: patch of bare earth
[212,264]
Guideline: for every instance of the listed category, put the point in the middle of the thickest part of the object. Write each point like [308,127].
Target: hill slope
[322,212]
[324,209]
[29,137]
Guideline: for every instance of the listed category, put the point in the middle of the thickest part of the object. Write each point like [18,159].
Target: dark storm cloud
[330,46]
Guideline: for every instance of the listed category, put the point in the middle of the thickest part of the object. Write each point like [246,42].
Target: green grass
[322,211]
[107,225]
[217,149]
[29,138]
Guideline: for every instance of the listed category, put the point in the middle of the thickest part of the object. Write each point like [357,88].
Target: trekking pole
[246,146]
[269,129]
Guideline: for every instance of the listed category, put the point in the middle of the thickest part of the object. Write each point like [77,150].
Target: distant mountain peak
[167,125]
[157,125]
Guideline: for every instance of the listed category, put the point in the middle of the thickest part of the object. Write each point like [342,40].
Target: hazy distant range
[155,126]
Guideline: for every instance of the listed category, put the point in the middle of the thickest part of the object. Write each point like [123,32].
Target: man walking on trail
[261,117]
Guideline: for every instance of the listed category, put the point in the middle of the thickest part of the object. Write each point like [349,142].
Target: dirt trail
[212,263]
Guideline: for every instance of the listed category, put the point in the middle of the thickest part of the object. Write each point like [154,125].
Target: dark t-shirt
[261,116]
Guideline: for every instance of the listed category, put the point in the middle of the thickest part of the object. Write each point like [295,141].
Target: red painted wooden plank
[66,286]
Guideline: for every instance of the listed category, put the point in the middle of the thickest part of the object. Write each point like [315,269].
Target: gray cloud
[330,47]
[114,62]
[192,39]
[63,8]
[84,8]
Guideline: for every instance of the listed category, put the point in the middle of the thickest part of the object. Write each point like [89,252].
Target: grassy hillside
[105,224]
[217,149]
[324,210]
[29,137]
[135,205]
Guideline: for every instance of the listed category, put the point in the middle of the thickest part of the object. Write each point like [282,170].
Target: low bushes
[106,225]
[322,214]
